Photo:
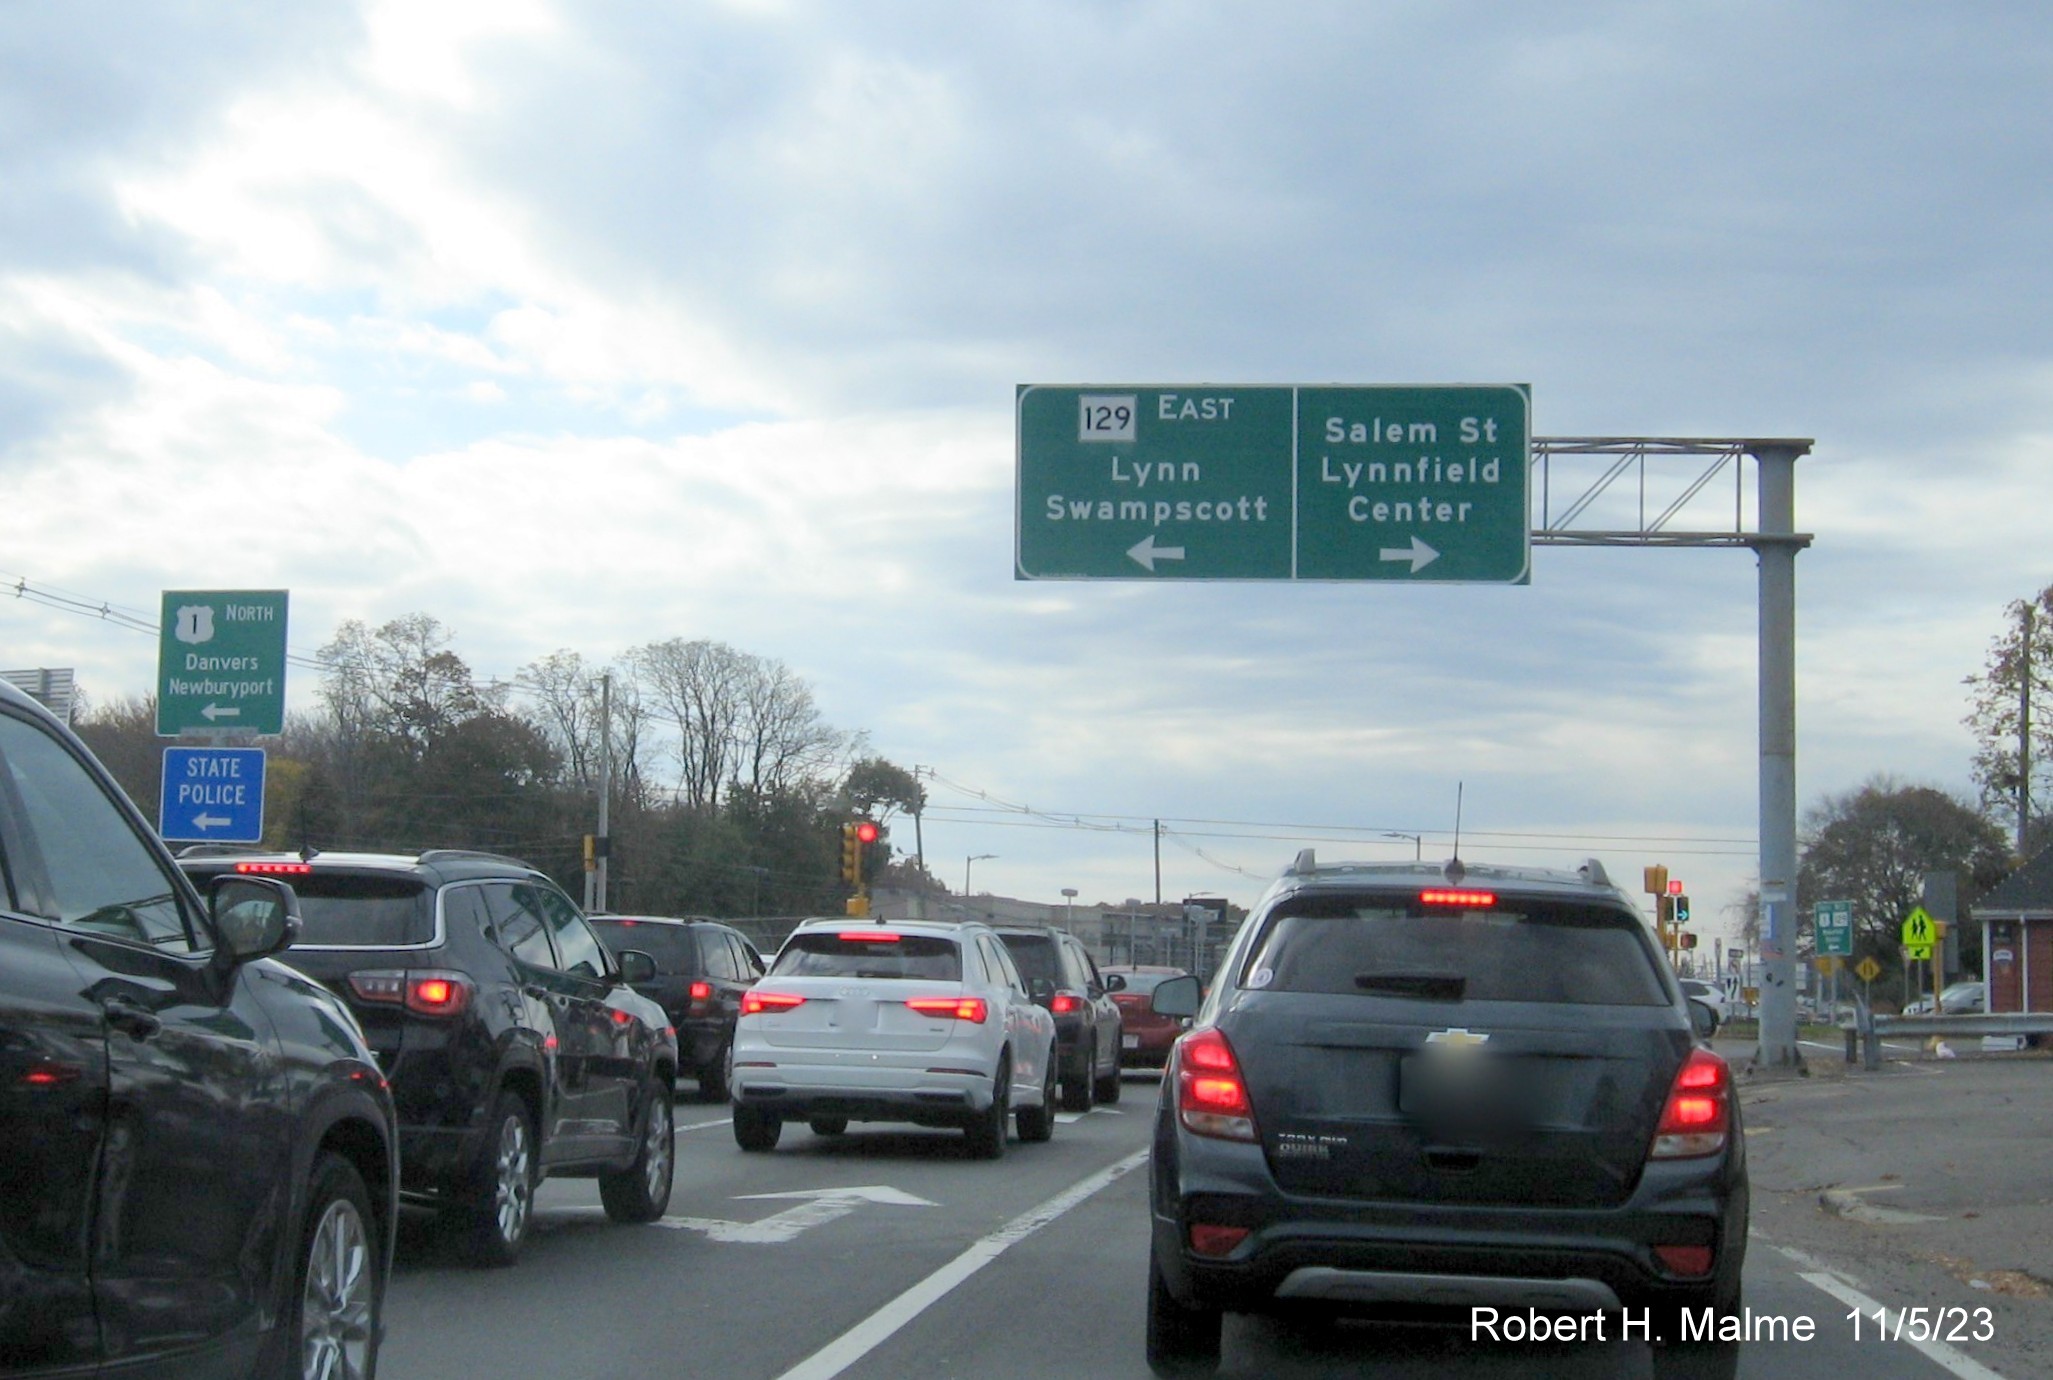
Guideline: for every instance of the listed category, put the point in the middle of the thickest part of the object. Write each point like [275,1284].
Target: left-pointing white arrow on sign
[215,711]
[209,821]
[1146,553]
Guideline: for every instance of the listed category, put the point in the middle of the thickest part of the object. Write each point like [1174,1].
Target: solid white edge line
[856,1343]
[1939,1353]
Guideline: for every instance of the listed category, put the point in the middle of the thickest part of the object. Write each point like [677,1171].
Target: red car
[1147,1037]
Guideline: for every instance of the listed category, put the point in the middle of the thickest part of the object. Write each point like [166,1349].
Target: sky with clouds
[580,326]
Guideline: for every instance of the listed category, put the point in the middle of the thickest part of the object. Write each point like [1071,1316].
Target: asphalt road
[888,1252]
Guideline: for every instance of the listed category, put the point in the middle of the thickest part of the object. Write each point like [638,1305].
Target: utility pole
[2024,728]
[605,841]
[1158,862]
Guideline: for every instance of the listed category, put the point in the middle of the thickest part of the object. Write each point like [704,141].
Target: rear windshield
[1531,951]
[670,945]
[1034,956]
[1142,983]
[371,912]
[851,956]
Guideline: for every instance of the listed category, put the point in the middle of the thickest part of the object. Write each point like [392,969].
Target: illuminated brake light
[1472,900]
[1211,1096]
[702,991]
[769,1003]
[1697,1119]
[423,993]
[971,1009]
[868,937]
[275,869]
[1063,1004]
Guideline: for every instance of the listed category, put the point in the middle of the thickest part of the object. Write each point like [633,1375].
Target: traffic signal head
[866,831]
[1681,909]
[851,854]
[1689,940]
[1664,910]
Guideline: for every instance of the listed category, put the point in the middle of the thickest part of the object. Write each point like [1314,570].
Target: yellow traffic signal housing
[851,855]
[1664,912]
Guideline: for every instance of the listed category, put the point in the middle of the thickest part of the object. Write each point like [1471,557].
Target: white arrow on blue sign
[212,794]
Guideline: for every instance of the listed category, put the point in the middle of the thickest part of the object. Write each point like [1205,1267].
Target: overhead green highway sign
[221,662]
[1423,483]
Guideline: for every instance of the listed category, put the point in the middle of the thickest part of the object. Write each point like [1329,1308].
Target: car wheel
[334,1322]
[987,1133]
[713,1074]
[1038,1123]
[1107,1088]
[641,1192]
[1076,1084]
[503,1198]
[828,1125]
[1182,1341]
[756,1130]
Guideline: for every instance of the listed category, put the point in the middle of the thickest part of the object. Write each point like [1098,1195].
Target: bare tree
[697,686]
[783,739]
[2013,735]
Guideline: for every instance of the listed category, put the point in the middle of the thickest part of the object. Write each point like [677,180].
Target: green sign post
[221,662]
[1832,922]
[1425,483]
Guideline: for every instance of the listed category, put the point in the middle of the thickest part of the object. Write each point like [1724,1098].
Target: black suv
[200,1150]
[702,969]
[1088,1025]
[515,1045]
[1466,1095]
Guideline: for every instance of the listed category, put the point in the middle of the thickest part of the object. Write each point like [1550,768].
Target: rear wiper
[1431,986]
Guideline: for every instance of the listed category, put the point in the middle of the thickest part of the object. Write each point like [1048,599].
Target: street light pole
[978,857]
[1418,843]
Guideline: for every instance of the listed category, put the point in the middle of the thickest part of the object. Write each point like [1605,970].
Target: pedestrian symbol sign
[1920,932]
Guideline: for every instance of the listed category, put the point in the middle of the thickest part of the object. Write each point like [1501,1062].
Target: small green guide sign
[221,662]
[1420,483]
[1833,921]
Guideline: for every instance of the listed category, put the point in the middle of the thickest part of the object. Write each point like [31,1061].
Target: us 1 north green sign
[221,662]
[1422,483]
[1834,925]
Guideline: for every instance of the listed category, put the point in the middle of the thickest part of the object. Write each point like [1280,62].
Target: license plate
[1131,1041]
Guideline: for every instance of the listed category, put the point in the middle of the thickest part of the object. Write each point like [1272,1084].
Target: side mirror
[254,917]
[1042,990]
[636,967]
[1115,982]
[1178,996]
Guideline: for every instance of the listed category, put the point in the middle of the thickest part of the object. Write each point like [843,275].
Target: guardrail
[1867,1029]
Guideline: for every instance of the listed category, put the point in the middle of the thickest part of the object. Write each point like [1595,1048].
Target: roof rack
[477,854]
[219,850]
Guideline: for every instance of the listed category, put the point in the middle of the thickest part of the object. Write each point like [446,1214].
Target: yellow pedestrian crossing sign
[1920,932]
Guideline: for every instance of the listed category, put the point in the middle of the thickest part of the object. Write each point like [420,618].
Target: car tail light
[1686,1260]
[1211,1097]
[1698,1117]
[868,937]
[769,1003]
[275,869]
[1064,1003]
[425,993]
[1211,1239]
[1467,900]
[701,992]
[971,1009]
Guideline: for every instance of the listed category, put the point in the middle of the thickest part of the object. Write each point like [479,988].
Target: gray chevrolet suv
[1458,1094]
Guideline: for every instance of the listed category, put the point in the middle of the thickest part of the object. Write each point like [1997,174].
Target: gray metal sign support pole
[1776,546]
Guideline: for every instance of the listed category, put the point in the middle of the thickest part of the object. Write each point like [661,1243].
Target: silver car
[902,1020]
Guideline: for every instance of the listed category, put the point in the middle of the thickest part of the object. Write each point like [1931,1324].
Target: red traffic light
[866,831]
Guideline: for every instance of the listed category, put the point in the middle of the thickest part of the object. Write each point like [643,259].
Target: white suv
[901,1020]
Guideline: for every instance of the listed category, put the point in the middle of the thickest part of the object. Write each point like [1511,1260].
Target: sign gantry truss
[1572,503]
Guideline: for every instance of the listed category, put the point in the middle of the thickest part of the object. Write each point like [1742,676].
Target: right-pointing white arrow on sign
[1419,554]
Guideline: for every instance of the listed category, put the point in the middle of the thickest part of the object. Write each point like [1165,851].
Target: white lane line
[1939,1353]
[682,1126]
[873,1331]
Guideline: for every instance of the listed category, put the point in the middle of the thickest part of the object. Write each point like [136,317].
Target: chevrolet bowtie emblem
[1460,1037]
